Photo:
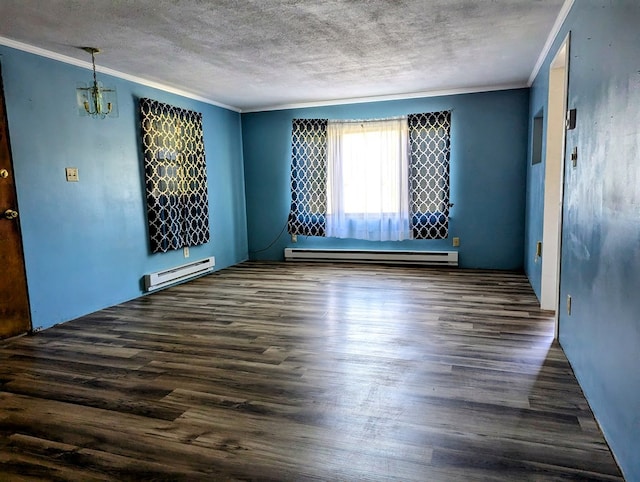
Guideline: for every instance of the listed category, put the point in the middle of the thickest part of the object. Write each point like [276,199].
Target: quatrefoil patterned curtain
[175,175]
[430,148]
[308,177]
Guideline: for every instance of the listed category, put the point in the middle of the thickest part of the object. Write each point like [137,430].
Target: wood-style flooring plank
[294,371]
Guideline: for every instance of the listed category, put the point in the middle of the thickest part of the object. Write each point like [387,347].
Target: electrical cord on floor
[272,242]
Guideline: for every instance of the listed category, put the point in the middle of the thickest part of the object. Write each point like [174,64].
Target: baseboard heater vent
[424,258]
[171,276]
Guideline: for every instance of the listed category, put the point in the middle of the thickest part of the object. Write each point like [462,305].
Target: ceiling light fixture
[95,100]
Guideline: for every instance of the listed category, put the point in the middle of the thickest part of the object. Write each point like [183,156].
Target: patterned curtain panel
[308,177]
[429,140]
[176,176]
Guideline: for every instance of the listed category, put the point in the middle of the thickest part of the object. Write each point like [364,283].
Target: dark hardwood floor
[274,371]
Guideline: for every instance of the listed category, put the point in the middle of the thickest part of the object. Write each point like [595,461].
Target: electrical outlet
[294,238]
[456,242]
[569,305]
[72,174]
[185,250]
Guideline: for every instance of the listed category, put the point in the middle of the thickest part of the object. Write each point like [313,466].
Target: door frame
[555,155]
[5,114]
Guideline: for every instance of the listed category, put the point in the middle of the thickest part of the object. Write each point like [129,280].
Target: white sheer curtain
[368,180]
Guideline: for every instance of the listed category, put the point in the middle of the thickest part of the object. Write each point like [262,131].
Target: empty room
[296,240]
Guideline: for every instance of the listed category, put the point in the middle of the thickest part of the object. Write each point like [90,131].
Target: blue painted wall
[488,173]
[601,230]
[535,180]
[85,243]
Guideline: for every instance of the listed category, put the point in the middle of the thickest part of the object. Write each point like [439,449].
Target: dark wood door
[14,300]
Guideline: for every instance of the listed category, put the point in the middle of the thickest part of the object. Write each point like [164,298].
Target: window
[538,132]
[175,176]
[372,177]
[367,180]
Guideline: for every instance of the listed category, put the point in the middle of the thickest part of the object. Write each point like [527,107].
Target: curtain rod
[360,121]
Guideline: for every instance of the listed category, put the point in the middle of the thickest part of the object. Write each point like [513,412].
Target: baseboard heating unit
[423,258]
[161,279]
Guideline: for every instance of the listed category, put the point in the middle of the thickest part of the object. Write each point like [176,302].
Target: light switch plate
[72,174]
[185,250]
[456,242]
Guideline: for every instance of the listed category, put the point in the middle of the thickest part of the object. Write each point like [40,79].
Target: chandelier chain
[93,62]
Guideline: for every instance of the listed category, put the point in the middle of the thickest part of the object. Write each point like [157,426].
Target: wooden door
[14,300]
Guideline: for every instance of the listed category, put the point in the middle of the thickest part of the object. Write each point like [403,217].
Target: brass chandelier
[95,100]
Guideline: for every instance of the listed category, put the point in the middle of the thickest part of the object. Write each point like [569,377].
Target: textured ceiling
[255,54]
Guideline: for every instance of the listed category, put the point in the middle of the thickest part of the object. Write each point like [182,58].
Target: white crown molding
[382,98]
[555,30]
[105,70]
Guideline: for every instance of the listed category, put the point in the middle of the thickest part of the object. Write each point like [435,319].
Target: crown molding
[107,71]
[555,30]
[382,98]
